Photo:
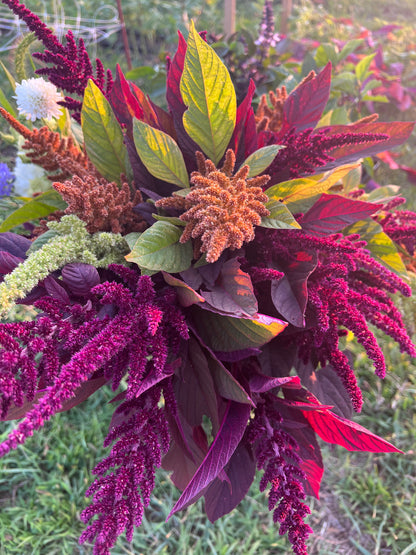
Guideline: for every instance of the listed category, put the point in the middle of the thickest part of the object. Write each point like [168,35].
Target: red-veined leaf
[335,429]
[332,213]
[304,106]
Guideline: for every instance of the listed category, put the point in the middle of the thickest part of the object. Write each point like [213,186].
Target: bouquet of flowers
[206,261]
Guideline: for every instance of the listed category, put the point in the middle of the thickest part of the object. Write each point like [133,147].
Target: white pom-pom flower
[37,98]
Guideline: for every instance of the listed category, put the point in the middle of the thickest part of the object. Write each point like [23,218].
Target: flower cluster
[204,262]
[221,209]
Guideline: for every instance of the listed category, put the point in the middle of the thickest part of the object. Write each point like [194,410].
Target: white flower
[37,98]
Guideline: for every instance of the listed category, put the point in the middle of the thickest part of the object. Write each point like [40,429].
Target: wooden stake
[229,17]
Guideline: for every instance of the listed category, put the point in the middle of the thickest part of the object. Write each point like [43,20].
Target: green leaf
[261,159]
[171,219]
[280,217]
[39,207]
[300,194]
[326,53]
[142,71]
[383,194]
[102,134]
[379,244]
[131,238]
[375,98]
[349,47]
[160,154]
[158,248]
[352,180]
[345,82]
[9,76]
[6,104]
[207,90]
[372,84]
[362,67]
[40,241]
[226,334]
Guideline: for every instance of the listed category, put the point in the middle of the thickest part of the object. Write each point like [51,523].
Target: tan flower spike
[221,210]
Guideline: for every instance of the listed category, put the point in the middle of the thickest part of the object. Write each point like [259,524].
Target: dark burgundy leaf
[326,386]
[55,290]
[222,497]
[260,384]
[231,431]
[210,272]
[152,379]
[277,357]
[235,356]
[304,105]
[184,455]
[233,294]
[194,387]
[192,277]
[335,429]
[332,213]
[8,262]
[225,383]
[80,278]
[290,294]
[15,244]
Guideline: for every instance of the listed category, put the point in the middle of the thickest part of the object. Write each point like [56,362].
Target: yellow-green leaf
[300,194]
[280,217]
[207,90]
[261,159]
[102,134]
[379,244]
[160,154]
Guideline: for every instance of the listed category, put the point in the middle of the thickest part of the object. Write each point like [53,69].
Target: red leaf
[304,106]
[124,103]
[398,132]
[335,429]
[244,138]
[332,213]
[231,431]
[175,102]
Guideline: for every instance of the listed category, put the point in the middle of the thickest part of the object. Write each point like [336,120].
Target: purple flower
[6,180]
